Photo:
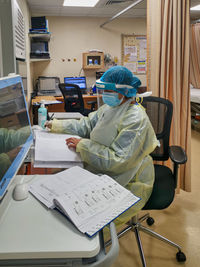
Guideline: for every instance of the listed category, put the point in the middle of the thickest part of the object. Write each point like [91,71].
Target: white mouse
[20,191]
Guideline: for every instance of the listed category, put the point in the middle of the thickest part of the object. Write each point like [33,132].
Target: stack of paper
[88,200]
[51,151]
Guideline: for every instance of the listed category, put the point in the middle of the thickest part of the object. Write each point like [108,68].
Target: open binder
[88,200]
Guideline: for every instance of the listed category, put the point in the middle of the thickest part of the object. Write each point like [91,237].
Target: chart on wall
[134,53]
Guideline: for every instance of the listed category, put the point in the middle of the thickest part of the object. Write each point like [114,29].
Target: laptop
[48,86]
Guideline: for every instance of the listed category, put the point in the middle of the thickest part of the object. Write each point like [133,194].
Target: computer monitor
[39,49]
[15,129]
[80,81]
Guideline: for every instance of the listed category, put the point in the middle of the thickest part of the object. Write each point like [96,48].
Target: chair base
[135,225]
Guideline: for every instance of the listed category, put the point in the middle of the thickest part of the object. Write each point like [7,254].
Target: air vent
[107,3]
[19,31]
[113,2]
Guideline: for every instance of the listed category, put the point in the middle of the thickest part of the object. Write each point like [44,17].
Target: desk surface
[39,98]
[29,231]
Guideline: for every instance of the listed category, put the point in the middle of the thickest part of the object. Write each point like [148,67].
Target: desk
[31,234]
[60,107]
[29,230]
[56,107]
[34,235]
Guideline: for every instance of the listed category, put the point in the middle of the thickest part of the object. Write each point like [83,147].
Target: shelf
[39,59]
[40,36]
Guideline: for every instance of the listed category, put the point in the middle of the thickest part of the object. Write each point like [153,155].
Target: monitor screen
[48,83]
[39,47]
[80,81]
[15,129]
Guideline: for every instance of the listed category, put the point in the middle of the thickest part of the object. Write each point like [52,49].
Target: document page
[89,200]
[94,205]
[51,186]
[51,147]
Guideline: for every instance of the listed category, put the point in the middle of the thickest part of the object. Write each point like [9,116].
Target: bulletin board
[134,53]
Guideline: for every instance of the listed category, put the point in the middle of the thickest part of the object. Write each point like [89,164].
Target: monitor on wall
[15,129]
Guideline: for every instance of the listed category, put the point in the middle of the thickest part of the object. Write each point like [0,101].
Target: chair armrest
[177,155]
[108,259]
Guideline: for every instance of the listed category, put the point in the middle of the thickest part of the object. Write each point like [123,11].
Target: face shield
[123,89]
[126,90]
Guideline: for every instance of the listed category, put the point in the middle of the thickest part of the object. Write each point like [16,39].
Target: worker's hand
[72,142]
[48,124]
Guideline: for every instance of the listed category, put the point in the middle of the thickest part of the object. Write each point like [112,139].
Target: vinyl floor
[180,223]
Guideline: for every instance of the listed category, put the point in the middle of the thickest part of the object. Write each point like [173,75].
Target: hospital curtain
[168,69]
[195,55]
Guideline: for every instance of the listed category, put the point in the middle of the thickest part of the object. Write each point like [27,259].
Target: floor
[180,223]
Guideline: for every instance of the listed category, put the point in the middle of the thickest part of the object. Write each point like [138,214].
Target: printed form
[89,200]
[51,151]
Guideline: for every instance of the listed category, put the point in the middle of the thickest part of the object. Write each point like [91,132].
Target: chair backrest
[72,97]
[159,111]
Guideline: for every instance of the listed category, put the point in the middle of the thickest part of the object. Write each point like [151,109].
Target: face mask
[111,99]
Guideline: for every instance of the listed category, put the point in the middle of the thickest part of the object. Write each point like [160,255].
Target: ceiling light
[195,7]
[85,3]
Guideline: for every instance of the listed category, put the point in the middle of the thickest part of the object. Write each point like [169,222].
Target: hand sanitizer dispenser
[42,114]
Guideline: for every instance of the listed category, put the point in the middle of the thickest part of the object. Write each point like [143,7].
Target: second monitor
[80,81]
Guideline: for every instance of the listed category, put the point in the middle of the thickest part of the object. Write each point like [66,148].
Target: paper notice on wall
[141,66]
[143,53]
[130,53]
[131,66]
[143,44]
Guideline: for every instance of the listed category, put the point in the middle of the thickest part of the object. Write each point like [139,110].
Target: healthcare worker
[10,141]
[117,138]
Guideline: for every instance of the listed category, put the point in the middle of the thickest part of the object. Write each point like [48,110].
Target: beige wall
[71,36]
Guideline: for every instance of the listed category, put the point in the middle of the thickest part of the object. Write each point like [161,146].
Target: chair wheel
[150,221]
[180,256]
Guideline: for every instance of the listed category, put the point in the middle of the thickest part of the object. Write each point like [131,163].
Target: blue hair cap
[121,75]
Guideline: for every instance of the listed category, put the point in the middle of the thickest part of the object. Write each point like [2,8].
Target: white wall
[71,36]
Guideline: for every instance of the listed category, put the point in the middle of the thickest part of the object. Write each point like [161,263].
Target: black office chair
[160,112]
[74,100]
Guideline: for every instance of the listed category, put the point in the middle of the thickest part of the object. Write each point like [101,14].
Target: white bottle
[42,114]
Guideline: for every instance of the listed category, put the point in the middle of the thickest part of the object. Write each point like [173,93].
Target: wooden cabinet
[94,60]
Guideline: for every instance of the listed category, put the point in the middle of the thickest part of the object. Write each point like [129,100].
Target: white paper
[143,44]
[131,66]
[143,53]
[89,200]
[57,164]
[130,50]
[51,147]
[65,115]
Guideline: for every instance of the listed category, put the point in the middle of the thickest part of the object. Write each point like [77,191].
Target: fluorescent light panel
[195,7]
[85,3]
